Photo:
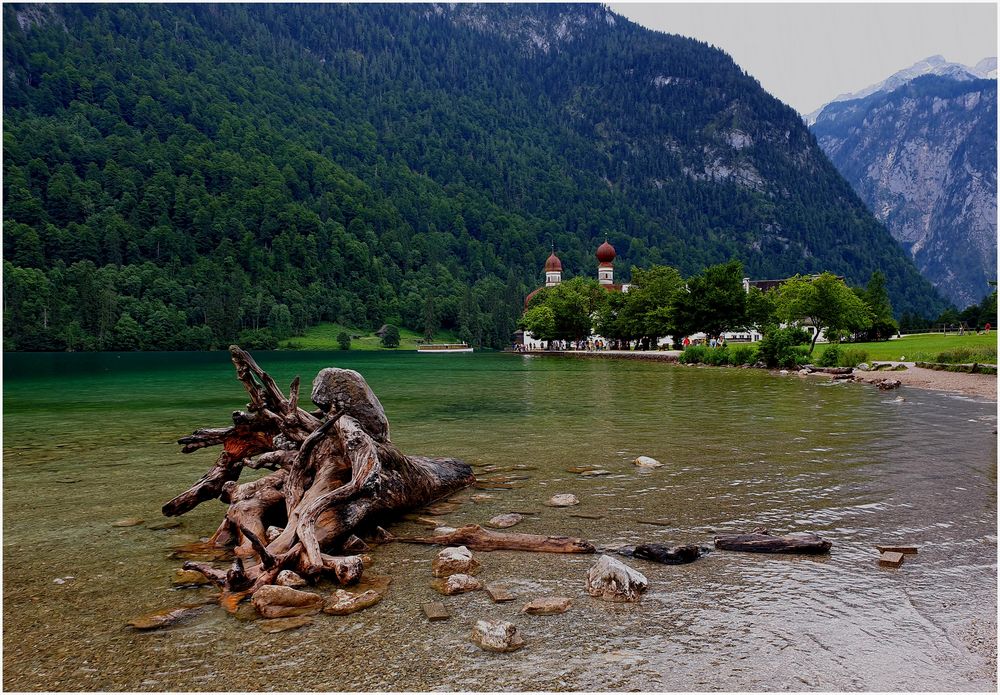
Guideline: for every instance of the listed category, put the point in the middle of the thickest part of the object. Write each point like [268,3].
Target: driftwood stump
[334,473]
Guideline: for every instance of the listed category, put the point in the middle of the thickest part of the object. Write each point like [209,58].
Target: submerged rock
[457,584]
[124,523]
[496,636]
[169,616]
[281,624]
[548,605]
[343,602]
[454,561]
[580,469]
[164,525]
[189,578]
[505,520]
[667,555]
[374,582]
[611,580]
[273,601]
[647,462]
[563,500]
[246,613]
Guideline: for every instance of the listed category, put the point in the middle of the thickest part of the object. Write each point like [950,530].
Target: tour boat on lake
[445,347]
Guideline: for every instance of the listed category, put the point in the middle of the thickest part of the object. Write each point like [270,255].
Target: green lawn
[324,337]
[925,347]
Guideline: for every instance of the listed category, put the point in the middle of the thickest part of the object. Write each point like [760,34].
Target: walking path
[975,385]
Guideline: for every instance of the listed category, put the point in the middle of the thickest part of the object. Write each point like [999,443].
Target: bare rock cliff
[923,158]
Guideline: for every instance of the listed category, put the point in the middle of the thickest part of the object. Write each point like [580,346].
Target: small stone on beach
[647,462]
[345,602]
[457,584]
[454,561]
[505,520]
[499,594]
[611,580]
[496,636]
[436,611]
[891,560]
[273,601]
[562,500]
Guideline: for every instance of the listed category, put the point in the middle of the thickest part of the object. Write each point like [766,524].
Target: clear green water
[89,439]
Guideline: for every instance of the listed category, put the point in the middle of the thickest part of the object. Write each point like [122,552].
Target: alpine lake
[91,438]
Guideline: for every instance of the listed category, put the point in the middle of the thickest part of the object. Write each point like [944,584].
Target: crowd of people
[589,345]
[712,341]
[597,345]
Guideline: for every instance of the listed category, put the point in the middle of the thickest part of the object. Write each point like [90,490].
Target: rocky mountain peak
[986,68]
[933,65]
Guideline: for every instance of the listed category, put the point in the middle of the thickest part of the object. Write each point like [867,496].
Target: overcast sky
[808,53]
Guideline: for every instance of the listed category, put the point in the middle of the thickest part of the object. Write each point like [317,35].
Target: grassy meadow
[324,337]
[927,347]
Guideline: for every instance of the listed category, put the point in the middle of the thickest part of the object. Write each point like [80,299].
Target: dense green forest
[177,176]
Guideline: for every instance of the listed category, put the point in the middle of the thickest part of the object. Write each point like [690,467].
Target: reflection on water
[89,439]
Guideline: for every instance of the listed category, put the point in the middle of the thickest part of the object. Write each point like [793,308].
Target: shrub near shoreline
[734,355]
[841,356]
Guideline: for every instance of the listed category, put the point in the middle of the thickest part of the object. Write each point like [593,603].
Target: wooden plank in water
[890,559]
[904,549]
[653,522]
[436,611]
[579,515]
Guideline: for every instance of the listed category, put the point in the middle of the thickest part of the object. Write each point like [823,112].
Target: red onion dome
[606,252]
[553,264]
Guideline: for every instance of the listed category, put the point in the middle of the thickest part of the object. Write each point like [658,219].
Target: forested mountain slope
[176,174]
[923,156]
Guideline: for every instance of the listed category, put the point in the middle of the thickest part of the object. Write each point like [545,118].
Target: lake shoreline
[974,385]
